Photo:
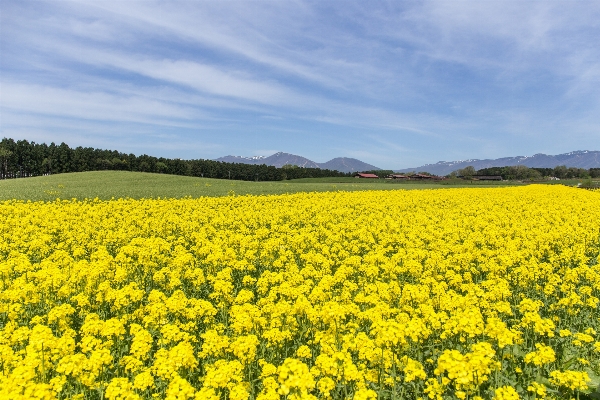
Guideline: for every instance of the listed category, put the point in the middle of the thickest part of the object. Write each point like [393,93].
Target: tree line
[522,172]
[22,158]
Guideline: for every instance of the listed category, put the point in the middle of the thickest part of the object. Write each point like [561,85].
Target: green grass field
[117,184]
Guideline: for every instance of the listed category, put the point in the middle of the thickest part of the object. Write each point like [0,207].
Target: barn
[363,175]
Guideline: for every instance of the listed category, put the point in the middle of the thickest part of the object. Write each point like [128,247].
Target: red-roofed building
[361,175]
[397,176]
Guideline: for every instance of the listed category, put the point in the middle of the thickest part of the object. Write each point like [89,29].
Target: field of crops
[432,294]
[108,184]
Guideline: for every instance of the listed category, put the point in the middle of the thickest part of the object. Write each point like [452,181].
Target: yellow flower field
[433,294]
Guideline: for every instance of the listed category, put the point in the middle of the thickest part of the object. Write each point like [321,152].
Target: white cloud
[89,105]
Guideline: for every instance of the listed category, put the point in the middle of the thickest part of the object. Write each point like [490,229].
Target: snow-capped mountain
[342,164]
[580,159]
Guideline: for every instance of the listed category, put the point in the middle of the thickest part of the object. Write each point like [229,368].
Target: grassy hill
[108,184]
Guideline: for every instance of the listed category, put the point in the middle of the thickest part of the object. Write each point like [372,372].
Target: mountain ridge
[279,159]
[579,159]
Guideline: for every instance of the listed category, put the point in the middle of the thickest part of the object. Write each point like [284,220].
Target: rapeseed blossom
[433,294]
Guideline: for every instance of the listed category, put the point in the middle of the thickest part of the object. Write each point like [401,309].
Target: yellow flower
[365,394]
[303,352]
[325,386]
[470,370]
[434,389]
[574,380]
[506,393]
[179,389]
[239,392]
[413,370]
[543,355]
[295,377]
[538,389]
[244,348]
[120,389]
[206,394]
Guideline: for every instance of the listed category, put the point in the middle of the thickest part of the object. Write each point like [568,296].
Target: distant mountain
[580,159]
[280,159]
[277,160]
[345,164]
[342,164]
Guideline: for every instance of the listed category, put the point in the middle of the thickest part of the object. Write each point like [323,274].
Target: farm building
[397,176]
[362,175]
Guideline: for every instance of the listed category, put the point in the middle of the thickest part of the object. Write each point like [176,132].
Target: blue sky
[395,84]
